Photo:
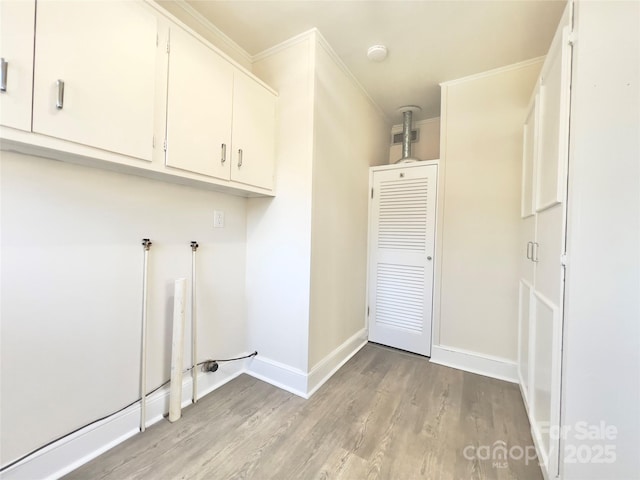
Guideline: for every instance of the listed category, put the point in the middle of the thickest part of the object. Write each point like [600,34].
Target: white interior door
[402,234]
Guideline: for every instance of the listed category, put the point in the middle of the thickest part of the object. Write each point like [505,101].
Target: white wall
[481,152]
[306,248]
[71,290]
[279,229]
[428,145]
[350,135]
[602,315]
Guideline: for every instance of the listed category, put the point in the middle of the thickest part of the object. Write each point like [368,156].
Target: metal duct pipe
[407,120]
[407,117]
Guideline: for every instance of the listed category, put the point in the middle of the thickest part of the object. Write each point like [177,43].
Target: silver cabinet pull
[3,74]
[529,250]
[224,153]
[239,157]
[60,99]
[534,252]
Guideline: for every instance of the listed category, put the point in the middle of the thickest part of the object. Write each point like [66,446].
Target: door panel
[109,77]
[530,150]
[550,239]
[253,140]
[16,48]
[524,356]
[198,108]
[553,125]
[401,240]
[545,344]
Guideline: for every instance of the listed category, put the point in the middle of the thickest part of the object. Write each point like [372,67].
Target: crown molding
[225,40]
[315,34]
[495,71]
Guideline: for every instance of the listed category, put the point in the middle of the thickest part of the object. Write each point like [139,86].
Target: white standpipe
[194,326]
[177,350]
[146,243]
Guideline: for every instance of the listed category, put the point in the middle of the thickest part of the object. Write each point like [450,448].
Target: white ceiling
[429,41]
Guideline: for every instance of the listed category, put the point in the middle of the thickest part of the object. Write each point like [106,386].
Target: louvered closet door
[402,232]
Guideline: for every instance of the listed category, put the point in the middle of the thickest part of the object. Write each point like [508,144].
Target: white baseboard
[279,375]
[330,364]
[535,431]
[76,449]
[542,456]
[524,394]
[306,384]
[473,362]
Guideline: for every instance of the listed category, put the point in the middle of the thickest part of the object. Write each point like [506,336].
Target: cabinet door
[198,108]
[253,133]
[16,49]
[527,281]
[530,149]
[105,53]
[554,123]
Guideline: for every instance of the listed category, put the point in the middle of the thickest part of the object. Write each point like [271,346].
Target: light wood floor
[386,414]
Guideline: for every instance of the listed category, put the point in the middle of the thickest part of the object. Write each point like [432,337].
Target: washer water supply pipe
[146,244]
[194,326]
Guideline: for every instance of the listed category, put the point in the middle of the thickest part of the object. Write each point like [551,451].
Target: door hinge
[169,45]
[571,38]
[153,142]
[372,193]
[164,145]
[367,311]
[157,39]
[563,260]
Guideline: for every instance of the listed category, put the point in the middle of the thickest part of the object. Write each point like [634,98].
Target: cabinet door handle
[224,153]
[239,157]
[529,250]
[534,252]
[60,99]
[3,74]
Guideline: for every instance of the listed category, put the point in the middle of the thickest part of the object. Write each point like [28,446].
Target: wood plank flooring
[386,414]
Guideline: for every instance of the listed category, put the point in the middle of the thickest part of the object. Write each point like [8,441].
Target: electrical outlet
[218,219]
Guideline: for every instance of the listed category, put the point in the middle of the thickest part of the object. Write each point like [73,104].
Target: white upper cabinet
[553,130]
[253,132]
[528,160]
[122,84]
[220,121]
[198,108]
[95,74]
[16,49]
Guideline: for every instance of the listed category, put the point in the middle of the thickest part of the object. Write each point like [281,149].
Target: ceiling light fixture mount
[377,53]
